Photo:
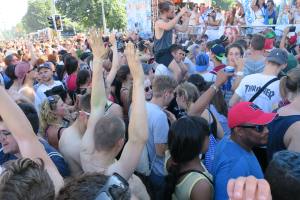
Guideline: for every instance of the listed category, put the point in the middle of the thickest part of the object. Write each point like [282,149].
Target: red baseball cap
[248,113]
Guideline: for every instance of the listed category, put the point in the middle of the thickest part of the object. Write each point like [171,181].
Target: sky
[11,12]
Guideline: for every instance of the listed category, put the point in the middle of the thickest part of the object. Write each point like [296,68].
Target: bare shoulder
[202,187]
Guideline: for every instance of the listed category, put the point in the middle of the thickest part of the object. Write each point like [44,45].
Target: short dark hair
[108,130]
[31,114]
[243,43]
[234,45]
[165,6]
[85,102]
[176,47]
[82,77]
[258,42]
[283,174]
[25,179]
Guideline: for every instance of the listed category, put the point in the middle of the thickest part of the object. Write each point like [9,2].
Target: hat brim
[275,60]
[263,119]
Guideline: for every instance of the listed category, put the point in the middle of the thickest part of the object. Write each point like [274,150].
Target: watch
[215,87]
[239,73]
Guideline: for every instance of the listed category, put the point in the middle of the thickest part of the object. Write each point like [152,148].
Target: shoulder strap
[262,89]
[197,171]
[213,126]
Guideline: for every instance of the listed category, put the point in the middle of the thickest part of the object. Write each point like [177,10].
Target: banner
[139,17]
[249,14]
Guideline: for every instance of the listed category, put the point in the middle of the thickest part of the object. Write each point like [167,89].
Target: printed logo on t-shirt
[254,88]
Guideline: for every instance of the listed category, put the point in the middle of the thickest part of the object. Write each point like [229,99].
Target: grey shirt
[254,66]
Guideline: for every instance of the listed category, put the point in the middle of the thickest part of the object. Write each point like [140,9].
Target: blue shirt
[54,155]
[232,161]
[158,134]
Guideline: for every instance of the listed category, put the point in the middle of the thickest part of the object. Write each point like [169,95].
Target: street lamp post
[103,16]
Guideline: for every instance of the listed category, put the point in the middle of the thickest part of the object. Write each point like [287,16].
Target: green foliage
[224,4]
[36,16]
[89,12]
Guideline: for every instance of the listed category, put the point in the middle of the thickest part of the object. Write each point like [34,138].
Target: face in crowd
[7,141]
[45,75]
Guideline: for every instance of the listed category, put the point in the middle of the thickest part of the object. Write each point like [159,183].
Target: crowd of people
[121,117]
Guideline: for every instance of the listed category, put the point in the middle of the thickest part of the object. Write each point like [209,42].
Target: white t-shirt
[163,70]
[268,100]
[40,93]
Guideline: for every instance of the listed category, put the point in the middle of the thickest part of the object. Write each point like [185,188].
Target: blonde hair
[290,83]
[189,91]
[47,115]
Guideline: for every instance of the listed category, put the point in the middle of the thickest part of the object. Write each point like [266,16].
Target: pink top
[71,82]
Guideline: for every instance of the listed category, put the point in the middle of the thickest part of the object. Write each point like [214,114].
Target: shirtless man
[105,135]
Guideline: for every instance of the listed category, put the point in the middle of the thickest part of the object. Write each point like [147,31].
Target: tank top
[277,129]
[164,42]
[184,188]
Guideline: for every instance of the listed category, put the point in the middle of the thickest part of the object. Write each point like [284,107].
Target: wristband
[214,87]
[239,73]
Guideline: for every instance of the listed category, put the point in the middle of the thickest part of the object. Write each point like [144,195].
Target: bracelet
[214,87]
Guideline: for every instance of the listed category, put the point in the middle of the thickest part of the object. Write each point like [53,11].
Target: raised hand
[134,63]
[112,39]
[222,77]
[96,42]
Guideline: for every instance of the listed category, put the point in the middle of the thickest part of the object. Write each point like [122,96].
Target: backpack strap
[213,127]
[262,89]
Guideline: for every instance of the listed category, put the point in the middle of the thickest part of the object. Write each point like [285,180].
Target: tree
[224,4]
[36,16]
[89,12]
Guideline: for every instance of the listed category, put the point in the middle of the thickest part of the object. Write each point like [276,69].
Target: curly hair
[47,116]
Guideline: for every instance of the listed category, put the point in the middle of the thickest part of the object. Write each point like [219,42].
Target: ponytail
[171,180]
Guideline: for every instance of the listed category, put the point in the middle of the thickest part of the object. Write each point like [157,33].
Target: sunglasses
[258,128]
[148,88]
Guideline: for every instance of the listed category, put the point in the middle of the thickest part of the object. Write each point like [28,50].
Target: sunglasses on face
[258,128]
[148,88]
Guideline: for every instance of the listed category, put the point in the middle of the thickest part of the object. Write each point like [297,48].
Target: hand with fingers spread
[96,42]
[248,188]
[134,63]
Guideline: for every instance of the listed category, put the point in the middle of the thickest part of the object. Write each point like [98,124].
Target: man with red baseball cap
[234,156]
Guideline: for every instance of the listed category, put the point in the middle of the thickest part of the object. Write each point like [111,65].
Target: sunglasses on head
[258,128]
[148,88]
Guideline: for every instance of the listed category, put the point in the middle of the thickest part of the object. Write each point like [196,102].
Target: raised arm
[98,95]
[28,142]
[204,100]
[166,26]
[115,62]
[185,25]
[138,126]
